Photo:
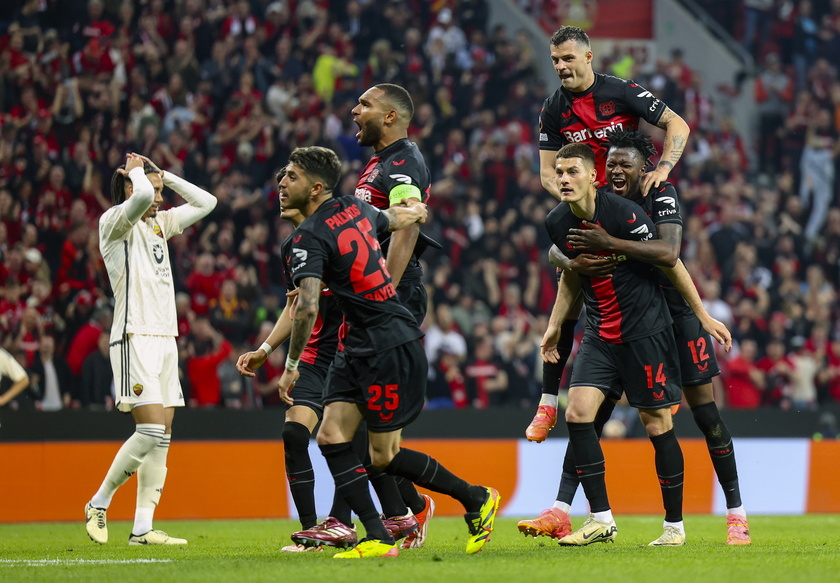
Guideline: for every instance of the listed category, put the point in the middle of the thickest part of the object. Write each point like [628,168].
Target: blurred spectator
[486,380]
[86,340]
[97,385]
[208,350]
[52,385]
[774,94]
[443,335]
[744,381]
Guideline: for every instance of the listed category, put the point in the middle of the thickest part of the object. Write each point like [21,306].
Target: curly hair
[639,141]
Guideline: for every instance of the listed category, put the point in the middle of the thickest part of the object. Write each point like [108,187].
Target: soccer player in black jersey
[396,175]
[381,374]
[586,107]
[629,154]
[628,346]
[301,419]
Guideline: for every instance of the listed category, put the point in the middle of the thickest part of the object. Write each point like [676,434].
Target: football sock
[680,526]
[562,506]
[145,438]
[151,476]
[670,468]
[426,471]
[352,483]
[553,371]
[547,399]
[719,442]
[739,511]
[412,498]
[589,464]
[386,490]
[603,516]
[299,472]
[340,510]
[569,479]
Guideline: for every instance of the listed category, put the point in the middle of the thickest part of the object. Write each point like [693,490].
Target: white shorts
[146,371]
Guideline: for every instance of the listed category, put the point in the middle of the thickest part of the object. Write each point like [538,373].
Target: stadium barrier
[51,481]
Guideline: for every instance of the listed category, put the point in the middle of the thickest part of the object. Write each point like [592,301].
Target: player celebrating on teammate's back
[586,107]
[144,355]
[628,346]
[628,155]
[381,375]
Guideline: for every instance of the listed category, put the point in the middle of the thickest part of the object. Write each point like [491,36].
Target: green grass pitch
[785,549]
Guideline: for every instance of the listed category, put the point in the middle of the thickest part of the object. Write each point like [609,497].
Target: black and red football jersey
[391,168]
[320,350]
[630,304]
[338,244]
[588,116]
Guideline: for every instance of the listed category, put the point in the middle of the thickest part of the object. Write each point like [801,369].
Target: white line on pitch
[48,562]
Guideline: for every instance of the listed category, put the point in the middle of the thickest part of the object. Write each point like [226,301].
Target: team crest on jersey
[138,389]
[372,176]
[157,251]
[157,231]
[607,108]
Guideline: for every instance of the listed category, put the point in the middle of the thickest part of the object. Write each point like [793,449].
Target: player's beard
[371,133]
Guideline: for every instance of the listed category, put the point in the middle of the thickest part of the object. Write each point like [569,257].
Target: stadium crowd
[220,91]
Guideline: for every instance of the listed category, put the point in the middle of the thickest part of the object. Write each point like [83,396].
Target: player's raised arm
[547,173]
[676,139]
[402,217]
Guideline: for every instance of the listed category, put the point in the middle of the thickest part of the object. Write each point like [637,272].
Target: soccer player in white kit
[144,355]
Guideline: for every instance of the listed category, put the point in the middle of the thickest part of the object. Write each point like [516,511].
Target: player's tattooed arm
[306,313]
[676,139]
[400,217]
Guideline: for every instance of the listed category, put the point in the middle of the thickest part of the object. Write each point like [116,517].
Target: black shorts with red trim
[309,388]
[390,386]
[696,348]
[647,369]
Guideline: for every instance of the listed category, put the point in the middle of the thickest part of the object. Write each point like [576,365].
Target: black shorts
[647,370]
[698,362]
[309,388]
[412,295]
[390,386]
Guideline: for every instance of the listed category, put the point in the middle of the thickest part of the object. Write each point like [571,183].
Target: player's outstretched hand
[593,265]
[592,237]
[286,384]
[249,362]
[653,178]
[718,331]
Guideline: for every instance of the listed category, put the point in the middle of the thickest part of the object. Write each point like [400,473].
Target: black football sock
[352,483]
[412,498]
[386,490]
[670,468]
[426,471]
[719,442]
[568,479]
[340,510]
[553,371]
[299,472]
[589,464]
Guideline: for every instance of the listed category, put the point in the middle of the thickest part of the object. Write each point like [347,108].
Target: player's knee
[381,459]
[295,435]
[657,421]
[699,396]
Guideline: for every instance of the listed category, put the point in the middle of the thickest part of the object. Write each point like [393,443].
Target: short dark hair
[639,141]
[118,182]
[577,150]
[400,97]
[320,162]
[567,33]
[280,174]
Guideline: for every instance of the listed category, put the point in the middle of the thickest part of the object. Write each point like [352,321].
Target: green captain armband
[403,191]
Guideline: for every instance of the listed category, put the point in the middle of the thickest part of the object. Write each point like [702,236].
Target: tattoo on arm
[676,152]
[305,315]
[391,215]
[665,118]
